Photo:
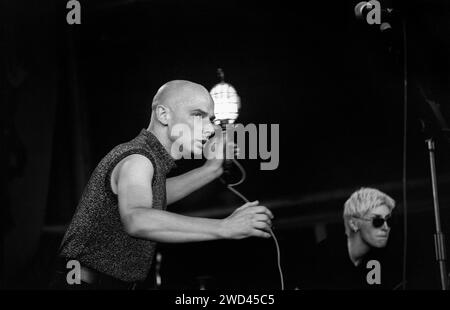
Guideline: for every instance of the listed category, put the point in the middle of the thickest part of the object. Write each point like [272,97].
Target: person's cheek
[201,129]
[371,234]
[196,128]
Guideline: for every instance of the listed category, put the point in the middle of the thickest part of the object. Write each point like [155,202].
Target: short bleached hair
[362,202]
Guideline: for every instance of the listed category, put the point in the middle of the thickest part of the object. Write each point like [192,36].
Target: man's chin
[380,244]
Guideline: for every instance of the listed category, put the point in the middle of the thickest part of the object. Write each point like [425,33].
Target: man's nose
[208,130]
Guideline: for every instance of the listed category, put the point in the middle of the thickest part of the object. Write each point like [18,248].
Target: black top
[332,268]
[96,237]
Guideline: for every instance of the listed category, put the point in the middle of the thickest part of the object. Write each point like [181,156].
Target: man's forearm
[180,186]
[163,226]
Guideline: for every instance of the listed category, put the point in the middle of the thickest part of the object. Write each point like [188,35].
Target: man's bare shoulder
[132,165]
[137,159]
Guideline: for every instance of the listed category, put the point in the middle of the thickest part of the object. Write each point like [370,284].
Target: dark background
[334,84]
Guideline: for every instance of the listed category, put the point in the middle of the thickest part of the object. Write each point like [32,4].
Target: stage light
[226,102]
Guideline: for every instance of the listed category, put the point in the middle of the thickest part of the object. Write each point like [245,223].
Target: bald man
[111,240]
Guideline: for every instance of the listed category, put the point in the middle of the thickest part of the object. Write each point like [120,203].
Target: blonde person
[357,258]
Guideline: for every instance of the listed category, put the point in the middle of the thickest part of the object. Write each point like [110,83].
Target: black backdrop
[332,83]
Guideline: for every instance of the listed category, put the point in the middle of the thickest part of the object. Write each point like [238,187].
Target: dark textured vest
[96,236]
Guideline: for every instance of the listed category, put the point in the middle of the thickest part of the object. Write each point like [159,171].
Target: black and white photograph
[237,147]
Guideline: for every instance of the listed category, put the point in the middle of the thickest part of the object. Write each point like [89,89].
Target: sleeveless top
[96,236]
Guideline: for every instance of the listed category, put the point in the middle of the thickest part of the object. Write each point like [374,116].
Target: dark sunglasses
[378,222]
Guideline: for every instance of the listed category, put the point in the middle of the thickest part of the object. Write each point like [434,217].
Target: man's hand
[214,150]
[250,220]
[182,185]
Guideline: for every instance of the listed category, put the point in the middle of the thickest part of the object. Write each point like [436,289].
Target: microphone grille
[385,26]
[359,9]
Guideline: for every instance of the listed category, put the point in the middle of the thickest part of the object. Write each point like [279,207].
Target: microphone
[385,26]
[363,8]
[371,12]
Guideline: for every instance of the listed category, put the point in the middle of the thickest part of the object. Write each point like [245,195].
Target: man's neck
[357,248]
[162,136]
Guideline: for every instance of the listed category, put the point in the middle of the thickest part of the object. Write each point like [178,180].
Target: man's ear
[353,225]
[162,114]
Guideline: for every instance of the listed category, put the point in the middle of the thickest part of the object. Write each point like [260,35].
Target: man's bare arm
[142,221]
[180,186]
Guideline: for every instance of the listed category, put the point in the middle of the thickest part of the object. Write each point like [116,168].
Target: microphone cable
[237,193]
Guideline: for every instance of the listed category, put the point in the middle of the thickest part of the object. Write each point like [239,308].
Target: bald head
[177,92]
[183,113]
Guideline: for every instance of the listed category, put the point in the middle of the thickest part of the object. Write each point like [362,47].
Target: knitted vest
[96,236]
